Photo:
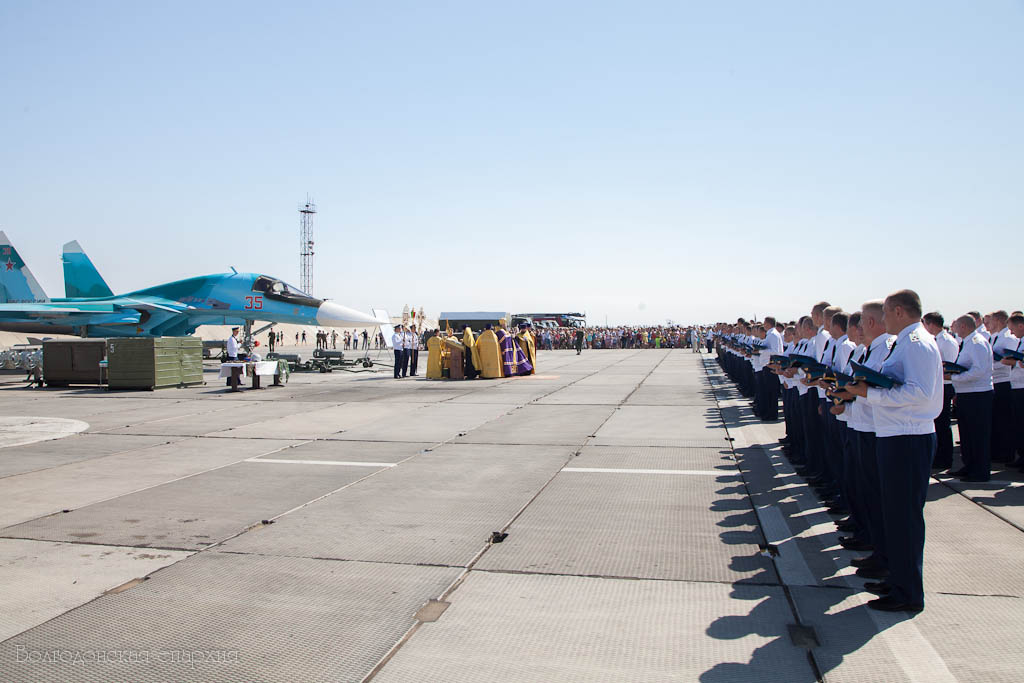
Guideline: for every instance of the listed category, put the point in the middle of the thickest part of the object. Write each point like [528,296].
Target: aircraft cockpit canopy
[279,290]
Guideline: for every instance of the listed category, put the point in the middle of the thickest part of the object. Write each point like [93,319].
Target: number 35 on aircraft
[254,303]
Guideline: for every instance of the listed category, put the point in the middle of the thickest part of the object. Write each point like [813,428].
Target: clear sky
[644,161]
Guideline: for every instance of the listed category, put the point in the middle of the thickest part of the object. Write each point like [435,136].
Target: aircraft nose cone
[331,314]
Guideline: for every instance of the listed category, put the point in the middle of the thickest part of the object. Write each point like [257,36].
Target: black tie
[893,348]
[867,355]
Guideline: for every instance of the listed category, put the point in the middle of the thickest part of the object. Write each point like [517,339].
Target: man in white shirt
[773,340]
[857,521]
[232,345]
[974,401]
[1002,340]
[1016,325]
[839,349]
[398,341]
[860,420]
[949,348]
[808,461]
[904,418]
[412,344]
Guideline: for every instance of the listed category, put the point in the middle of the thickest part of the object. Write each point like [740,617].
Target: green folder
[863,373]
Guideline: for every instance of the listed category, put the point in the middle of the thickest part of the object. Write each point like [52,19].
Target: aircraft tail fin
[17,284]
[81,279]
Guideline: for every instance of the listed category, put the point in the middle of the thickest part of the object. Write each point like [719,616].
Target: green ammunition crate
[73,361]
[154,362]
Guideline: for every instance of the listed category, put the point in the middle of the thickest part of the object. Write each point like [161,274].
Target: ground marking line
[706,473]
[324,462]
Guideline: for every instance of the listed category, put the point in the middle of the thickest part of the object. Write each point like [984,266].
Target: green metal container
[154,362]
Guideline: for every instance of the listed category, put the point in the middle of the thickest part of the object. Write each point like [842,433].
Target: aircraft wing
[69,313]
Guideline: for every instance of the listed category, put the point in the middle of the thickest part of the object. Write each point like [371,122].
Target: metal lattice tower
[306,213]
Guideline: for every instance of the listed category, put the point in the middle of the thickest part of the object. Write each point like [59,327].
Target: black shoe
[887,604]
[975,479]
[838,510]
[856,544]
[872,573]
[958,473]
[867,561]
[878,587]
[846,525]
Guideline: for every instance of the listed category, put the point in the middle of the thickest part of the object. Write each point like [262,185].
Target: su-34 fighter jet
[90,309]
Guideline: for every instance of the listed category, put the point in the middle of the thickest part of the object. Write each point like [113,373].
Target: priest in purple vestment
[514,361]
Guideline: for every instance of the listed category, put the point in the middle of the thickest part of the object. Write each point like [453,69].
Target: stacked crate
[154,362]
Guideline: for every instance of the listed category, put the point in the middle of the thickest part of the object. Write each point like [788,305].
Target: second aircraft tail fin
[81,279]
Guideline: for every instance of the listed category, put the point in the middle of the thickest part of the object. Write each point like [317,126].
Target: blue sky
[640,160]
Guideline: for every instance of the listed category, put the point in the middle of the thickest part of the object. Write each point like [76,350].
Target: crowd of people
[868,397]
[622,337]
[351,340]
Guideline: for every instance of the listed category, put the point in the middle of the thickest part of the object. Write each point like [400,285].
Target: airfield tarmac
[340,528]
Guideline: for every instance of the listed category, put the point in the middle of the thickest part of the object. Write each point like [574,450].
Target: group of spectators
[621,337]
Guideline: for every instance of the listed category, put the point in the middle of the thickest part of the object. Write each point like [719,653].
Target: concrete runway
[340,528]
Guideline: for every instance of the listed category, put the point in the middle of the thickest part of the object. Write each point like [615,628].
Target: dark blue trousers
[833,453]
[399,355]
[1002,423]
[974,415]
[944,432]
[869,488]
[769,409]
[813,440]
[848,477]
[904,466]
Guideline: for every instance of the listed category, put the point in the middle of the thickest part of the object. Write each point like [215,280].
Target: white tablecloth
[266,368]
[225,369]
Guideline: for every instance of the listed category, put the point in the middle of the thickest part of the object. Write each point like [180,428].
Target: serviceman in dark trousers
[1016,325]
[412,340]
[904,419]
[973,401]
[1002,411]
[949,349]
[579,342]
[863,438]
[398,342]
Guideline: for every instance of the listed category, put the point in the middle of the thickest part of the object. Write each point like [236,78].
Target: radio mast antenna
[306,213]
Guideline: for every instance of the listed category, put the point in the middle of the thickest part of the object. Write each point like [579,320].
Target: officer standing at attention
[904,419]
[579,341]
[398,341]
[1016,325]
[949,349]
[974,401]
[1002,411]
[232,345]
[412,345]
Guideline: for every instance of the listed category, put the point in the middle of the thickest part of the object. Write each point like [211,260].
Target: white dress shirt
[976,356]
[805,347]
[232,347]
[787,350]
[1003,340]
[856,354]
[860,413]
[949,349]
[774,341]
[822,346]
[840,353]
[1017,371]
[398,341]
[910,407]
